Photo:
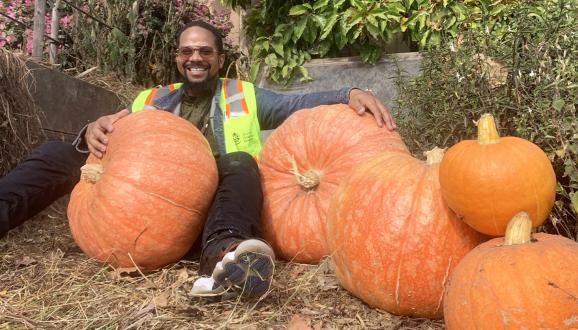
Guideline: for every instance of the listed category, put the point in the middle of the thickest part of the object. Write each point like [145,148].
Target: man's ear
[221,60]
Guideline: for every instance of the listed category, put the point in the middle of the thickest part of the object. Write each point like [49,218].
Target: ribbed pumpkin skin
[526,286]
[488,184]
[328,140]
[152,199]
[392,238]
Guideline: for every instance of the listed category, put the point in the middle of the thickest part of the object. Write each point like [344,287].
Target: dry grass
[46,282]
[124,89]
[19,118]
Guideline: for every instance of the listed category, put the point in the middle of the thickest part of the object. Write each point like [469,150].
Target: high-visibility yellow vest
[238,105]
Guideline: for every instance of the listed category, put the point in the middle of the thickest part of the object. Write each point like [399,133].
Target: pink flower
[65,21]
[28,34]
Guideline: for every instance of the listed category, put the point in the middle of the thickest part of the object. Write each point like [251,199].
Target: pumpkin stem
[519,229]
[434,156]
[91,172]
[487,131]
[308,180]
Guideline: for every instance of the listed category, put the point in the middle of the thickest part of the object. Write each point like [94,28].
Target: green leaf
[271,60]
[373,30]
[320,21]
[324,47]
[424,39]
[280,29]
[287,36]
[449,23]
[460,10]
[340,37]
[299,28]
[371,19]
[298,10]
[558,104]
[435,39]
[285,71]
[320,4]
[497,10]
[278,47]
[357,4]
[574,200]
[255,67]
[329,26]
[338,3]
[310,33]
[304,73]
[356,33]
[422,21]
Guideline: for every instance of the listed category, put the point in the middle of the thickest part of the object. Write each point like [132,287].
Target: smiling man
[231,114]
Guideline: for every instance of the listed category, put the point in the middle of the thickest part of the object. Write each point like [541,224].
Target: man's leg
[232,251]
[50,172]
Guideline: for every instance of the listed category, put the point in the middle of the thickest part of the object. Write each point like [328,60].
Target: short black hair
[206,26]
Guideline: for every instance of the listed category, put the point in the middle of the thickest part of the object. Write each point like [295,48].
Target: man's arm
[274,108]
[93,135]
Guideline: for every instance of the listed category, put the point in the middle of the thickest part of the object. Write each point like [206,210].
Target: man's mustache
[202,65]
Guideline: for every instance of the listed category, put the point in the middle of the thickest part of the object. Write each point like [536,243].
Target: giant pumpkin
[488,180]
[302,162]
[144,203]
[392,238]
[522,281]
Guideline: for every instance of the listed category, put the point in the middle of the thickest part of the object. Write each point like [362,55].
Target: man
[230,114]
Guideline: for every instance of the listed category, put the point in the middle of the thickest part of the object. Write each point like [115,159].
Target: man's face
[197,57]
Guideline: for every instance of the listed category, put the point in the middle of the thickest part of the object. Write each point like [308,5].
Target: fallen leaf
[161,300]
[25,261]
[119,273]
[182,277]
[299,322]
[297,270]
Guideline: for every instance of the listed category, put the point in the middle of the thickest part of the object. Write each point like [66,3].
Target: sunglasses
[204,51]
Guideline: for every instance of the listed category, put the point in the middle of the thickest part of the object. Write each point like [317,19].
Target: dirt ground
[46,282]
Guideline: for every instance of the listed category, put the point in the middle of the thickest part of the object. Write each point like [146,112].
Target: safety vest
[238,105]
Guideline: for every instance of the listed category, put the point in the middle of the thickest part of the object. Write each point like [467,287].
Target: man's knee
[238,158]
[238,161]
[59,153]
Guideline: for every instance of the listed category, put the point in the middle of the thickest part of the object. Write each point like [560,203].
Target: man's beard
[196,87]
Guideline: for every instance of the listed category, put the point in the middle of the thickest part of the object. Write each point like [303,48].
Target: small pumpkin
[392,238]
[488,180]
[302,162]
[145,202]
[522,281]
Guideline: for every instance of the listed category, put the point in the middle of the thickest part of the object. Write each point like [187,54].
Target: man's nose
[196,55]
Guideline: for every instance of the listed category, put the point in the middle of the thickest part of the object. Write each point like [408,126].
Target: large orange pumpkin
[302,163]
[393,240]
[516,282]
[488,180]
[145,202]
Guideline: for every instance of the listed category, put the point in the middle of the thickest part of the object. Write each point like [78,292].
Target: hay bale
[19,118]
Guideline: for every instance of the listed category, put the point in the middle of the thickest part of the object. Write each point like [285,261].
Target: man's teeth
[196,69]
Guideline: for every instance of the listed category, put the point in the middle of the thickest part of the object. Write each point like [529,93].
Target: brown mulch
[46,282]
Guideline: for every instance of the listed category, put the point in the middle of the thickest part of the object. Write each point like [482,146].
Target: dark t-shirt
[196,110]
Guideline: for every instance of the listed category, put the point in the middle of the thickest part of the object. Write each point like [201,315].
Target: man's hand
[361,101]
[96,132]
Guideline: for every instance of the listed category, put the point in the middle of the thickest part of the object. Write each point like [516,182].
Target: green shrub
[285,34]
[527,77]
